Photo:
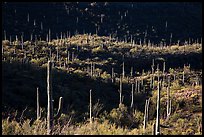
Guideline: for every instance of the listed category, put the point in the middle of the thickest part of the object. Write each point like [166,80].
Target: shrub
[120,116]
[138,117]
[98,49]
[134,50]
[79,72]
[5,42]
[10,128]
[105,75]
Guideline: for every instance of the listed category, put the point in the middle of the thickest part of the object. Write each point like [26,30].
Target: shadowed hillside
[154,21]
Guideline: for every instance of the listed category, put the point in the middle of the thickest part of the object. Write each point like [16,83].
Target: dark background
[183,19]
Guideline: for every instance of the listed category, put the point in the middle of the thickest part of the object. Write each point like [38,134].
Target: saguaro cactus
[38,106]
[158,109]
[59,111]
[153,128]
[158,72]
[50,53]
[146,115]
[183,79]
[91,69]
[113,75]
[50,104]
[131,72]
[72,56]
[68,56]
[136,86]
[90,103]
[49,37]
[152,66]
[57,54]
[174,76]
[142,82]
[150,85]
[132,96]
[50,116]
[153,81]
[123,73]
[168,100]
[120,91]
[164,66]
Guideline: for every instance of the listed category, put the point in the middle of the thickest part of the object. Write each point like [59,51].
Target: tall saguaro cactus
[153,129]
[146,114]
[158,72]
[113,75]
[183,78]
[152,66]
[131,72]
[91,69]
[49,38]
[123,73]
[120,91]
[90,104]
[38,105]
[50,116]
[164,66]
[59,111]
[68,55]
[72,56]
[158,109]
[49,93]
[153,77]
[132,96]
[136,86]
[57,53]
[168,100]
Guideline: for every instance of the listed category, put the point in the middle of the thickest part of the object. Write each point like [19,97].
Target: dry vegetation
[94,58]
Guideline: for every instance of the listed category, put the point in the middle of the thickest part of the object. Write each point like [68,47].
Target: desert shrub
[105,75]
[189,131]
[26,128]
[39,127]
[98,49]
[79,72]
[10,128]
[96,128]
[174,47]
[138,117]
[175,85]
[39,62]
[174,117]
[5,43]
[120,116]
[134,50]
